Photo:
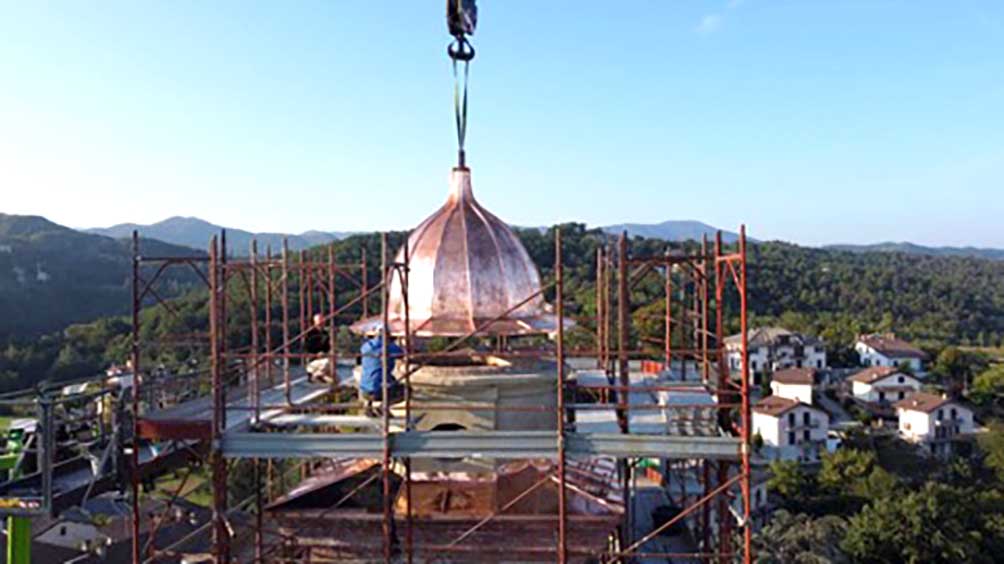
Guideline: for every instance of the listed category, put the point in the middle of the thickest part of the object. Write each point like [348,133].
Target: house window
[941,414]
[753,365]
[798,363]
[881,396]
[901,379]
[757,498]
[791,437]
[791,419]
[805,435]
[819,363]
[902,395]
[805,418]
[954,413]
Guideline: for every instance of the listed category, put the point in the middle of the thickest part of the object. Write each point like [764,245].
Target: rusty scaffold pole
[268,318]
[135,356]
[332,312]
[706,360]
[285,321]
[723,542]
[559,307]
[388,530]
[623,332]
[404,276]
[668,344]
[746,439]
[599,307]
[623,372]
[217,462]
[254,385]
[254,390]
[301,279]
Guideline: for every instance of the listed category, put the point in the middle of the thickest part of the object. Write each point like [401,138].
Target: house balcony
[812,424]
[946,430]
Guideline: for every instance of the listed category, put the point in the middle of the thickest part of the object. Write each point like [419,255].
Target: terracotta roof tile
[892,347]
[775,406]
[923,401]
[874,374]
[805,376]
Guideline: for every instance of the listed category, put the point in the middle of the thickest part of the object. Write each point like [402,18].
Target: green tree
[845,467]
[937,524]
[956,366]
[988,387]
[992,446]
[800,539]
[788,480]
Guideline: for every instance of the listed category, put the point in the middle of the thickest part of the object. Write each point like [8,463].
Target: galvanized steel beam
[462,444]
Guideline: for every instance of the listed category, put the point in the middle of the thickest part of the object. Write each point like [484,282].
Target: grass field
[196,488]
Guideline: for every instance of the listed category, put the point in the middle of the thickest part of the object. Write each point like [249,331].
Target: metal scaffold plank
[653,446]
[496,444]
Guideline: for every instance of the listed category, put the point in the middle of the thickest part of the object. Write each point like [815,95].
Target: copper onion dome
[467,268]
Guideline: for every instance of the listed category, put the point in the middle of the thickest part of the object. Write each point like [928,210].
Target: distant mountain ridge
[196,233]
[52,276]
[672,230]
[914,249]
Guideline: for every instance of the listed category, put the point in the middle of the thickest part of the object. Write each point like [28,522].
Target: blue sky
[814,122]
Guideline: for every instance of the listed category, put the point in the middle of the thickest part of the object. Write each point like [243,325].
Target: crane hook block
[461,17]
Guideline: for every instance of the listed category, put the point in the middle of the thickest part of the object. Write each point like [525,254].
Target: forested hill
[936,300]
[52,276]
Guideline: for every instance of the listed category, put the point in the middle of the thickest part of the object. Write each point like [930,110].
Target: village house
[794,383]
[881,384]
[933,421]
[790,429]
[774,348]
[885,349]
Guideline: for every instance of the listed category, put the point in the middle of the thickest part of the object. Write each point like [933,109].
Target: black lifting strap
[460,108]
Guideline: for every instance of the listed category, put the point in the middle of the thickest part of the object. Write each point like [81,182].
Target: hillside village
[340,359]
[874,400]
[898,415]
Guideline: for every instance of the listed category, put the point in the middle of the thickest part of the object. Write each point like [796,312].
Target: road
[836,411]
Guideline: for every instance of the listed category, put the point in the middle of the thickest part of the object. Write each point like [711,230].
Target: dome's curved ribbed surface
[467,267]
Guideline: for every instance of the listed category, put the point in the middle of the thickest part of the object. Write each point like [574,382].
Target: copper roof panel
[467,267]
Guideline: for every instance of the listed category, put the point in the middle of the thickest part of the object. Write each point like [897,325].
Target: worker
[316,342]
[372,377]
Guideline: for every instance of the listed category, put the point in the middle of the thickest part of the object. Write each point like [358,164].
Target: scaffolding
[257,406]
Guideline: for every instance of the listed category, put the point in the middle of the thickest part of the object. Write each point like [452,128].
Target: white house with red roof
[790,429]
[794,383]
[775,348]
[933,421]
[880,384]
[885,349]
